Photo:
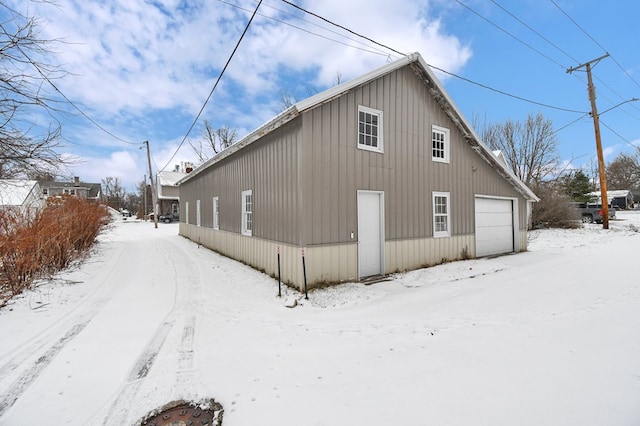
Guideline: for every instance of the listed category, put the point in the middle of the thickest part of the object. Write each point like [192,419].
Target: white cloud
[143,69]
[134,56]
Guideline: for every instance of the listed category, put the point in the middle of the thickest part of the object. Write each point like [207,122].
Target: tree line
[531,150]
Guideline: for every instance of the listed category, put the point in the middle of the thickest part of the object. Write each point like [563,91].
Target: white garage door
[494,226]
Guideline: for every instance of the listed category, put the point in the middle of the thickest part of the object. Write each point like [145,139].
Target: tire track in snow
[25,379]
[182,311]
[33,357]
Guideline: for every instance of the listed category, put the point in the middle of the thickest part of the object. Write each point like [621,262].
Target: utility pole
[145,211]
[153,191]
[596,124]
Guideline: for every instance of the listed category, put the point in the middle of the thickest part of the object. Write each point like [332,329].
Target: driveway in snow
[544,337]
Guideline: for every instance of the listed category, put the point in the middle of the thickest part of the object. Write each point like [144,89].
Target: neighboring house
[87,191]
[377,175]
[622,199]
[168,193]
[21,196]
[636,198]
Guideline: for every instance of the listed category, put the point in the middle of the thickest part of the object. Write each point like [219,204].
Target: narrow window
[216,213]
[198,220]
[186,212]
[441,222]
[247,212]
[45,191]
[440,144]
[369,129]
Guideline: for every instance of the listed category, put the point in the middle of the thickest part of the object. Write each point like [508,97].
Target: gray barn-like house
[377,175]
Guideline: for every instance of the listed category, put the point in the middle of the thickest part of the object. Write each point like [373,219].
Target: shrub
[37,245]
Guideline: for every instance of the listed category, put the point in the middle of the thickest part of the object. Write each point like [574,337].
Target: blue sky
[143,69]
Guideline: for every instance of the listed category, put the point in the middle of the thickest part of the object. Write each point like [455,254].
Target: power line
[618,135]
[46,78]
[533,30]
[378,52]
[226,65]
[342,27]
[509,34]
[484,86]
[595,41]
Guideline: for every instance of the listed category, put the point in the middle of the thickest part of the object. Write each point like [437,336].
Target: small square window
[440,144]
[369,129]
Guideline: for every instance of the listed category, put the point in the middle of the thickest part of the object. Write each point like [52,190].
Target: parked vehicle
[168,218]
[592,213]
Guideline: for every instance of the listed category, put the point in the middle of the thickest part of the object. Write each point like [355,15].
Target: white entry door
[370,233]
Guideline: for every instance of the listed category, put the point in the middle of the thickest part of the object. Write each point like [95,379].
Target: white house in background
[622,199]
[169,193]
[21,196]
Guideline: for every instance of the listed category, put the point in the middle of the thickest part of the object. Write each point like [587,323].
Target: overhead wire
[84,114]
[509,34]
[368,49]
[595,41]
[618,135]
[226,65]
[484,86]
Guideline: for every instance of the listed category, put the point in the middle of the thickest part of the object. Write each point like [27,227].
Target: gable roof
[15,192]
[423,71]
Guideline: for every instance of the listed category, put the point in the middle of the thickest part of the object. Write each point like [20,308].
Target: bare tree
[25,149]
[530,147]
[286,99]
[114,192]
[213,141]
[623,172]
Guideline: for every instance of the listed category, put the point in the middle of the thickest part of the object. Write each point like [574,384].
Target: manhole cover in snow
[181,413]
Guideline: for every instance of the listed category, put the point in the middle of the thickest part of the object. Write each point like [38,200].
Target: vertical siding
[305,176]
[269,168]
[405,171]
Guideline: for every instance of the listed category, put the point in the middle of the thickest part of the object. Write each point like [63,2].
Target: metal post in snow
[304,272]
[279,280]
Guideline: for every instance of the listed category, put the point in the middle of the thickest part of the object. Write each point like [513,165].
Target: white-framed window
[69,191]
[198,216]
[370,129]
[216,213]
[175,209]
[440,145]
[441,219]
[45,191]
[186,212]
[247,212]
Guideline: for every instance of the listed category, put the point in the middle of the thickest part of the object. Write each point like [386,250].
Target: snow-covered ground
[546,337]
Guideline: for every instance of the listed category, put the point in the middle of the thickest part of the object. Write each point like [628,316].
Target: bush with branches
[36,245]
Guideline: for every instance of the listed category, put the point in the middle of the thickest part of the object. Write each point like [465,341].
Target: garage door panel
[494,226]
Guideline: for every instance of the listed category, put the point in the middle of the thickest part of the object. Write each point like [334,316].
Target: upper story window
[69,191]
[369,129]
[440,144]
[216,213]
[247,212]
[441,220]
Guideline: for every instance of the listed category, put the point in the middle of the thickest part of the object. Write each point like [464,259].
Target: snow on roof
[169,178]
[614,193]
[14,192]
